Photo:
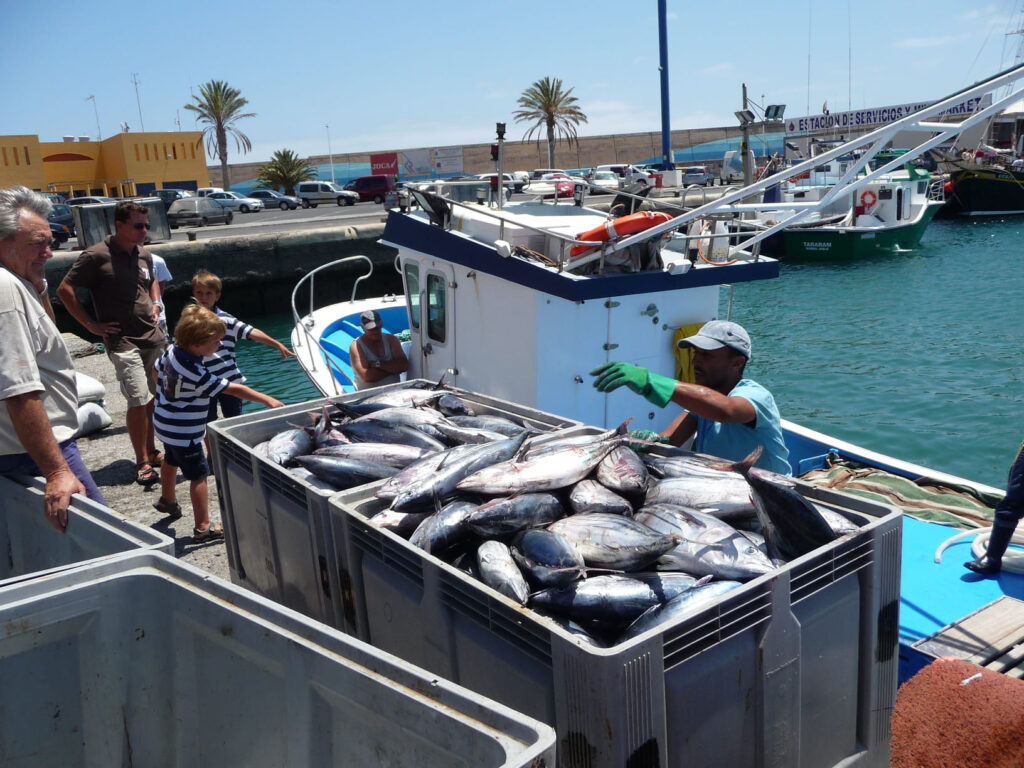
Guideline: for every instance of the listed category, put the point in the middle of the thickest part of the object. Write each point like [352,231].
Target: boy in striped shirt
[206,290]
[183,393]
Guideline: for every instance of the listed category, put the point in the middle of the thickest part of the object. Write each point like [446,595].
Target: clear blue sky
[402,74]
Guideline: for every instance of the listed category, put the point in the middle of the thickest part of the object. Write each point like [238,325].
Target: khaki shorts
[134,370]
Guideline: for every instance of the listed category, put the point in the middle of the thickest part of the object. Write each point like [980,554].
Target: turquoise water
[917,355]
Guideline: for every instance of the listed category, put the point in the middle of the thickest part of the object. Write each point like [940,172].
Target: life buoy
[620,227]
[868,198]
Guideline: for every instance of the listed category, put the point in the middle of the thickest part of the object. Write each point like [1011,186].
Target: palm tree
[549,106]
[285,169]
[219,106]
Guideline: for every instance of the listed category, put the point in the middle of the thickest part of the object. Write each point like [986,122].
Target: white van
[312,193]
[732,166]
[204,191]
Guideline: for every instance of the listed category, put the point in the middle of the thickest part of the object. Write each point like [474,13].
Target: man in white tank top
[377,357]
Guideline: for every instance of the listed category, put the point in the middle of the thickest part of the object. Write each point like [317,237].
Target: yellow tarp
[684,357]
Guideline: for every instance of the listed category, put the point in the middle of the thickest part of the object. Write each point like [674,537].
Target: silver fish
[491,423]
[727,493]
[304,474]
[401,397]
[419,470]
[423,419]
[499,571]
[401,523]
[611,541]
[614,599]
[452,405]
[512,514]
[547,559]
[707,546]
[444,529]
[669,584]
[344,473]
[623,471]
[590,496]
[378,431]
[391,454]
[686,604]
[286,445]
[456,434]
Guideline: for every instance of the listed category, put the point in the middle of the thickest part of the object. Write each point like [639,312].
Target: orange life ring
[620,227]
[868,198]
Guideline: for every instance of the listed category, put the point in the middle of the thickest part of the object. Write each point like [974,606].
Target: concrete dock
[108,455]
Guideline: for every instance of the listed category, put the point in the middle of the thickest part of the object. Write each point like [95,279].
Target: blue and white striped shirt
[184,387]
[222,363]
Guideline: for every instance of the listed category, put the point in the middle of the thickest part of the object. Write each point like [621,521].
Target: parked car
[539,173]
[697,174]
[197,212]
[61,213]
[375,187]
[236,202]
[168,196]
[59,235]
[604,182]
[618,169]
[204,191]
[272,198]
[521,179]
[553,185]
[312,193]
[90,200]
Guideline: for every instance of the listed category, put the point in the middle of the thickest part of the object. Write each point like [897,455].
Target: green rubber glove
[656,389]
[646,436]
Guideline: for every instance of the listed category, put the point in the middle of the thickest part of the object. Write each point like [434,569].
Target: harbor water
[917,355]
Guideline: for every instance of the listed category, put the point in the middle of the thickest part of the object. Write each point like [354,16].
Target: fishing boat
[983,190]
[521,302]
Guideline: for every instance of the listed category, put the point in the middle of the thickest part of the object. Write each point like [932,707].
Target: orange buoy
[868,198]
[620,227]
[948,188]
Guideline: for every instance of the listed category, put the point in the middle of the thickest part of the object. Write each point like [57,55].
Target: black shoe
[992,562]
[986,566]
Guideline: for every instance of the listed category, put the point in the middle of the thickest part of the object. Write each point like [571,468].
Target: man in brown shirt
[119,274]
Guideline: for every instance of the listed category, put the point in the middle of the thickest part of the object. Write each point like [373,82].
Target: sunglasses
[141,226]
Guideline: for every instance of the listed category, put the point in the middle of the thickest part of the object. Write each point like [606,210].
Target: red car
[561,185]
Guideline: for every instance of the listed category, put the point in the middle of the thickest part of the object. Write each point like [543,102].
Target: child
[206,289]
[183,394]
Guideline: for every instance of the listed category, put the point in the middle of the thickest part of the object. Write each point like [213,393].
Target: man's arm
[31,425]
[398,363]
[713,405]
[66,293]
[355,357]
[682,429]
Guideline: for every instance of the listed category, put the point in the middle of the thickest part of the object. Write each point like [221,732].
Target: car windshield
[60,209]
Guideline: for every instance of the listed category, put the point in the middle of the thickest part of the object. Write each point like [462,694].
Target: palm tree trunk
[222,150]
[551,144]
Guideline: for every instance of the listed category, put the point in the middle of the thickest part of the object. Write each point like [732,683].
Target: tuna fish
[304,474]
[613,599]
[377,431]
[707,547]
[547,559]
[499,571]
[508,515]
[456,434]
[591,496]
[445,529]
[725,494]
[285,446]
[611,541]
[400,523]
[686,604]
[344,473]
[667,584]
[623,471]
[491,423]
[451,405]
[420,470]
[390,454]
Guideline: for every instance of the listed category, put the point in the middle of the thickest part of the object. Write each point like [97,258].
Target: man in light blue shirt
[730,415]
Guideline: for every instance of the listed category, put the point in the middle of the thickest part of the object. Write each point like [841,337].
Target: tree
[219,107]
[285,169]
[552,108]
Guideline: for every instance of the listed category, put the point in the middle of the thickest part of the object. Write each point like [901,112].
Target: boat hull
[985,192]
[842,243]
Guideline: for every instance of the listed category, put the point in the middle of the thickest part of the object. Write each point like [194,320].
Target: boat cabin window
[436,307]
[412,293]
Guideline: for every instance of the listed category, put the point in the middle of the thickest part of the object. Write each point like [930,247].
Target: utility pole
[99,135]
[330,155]
[667,159]
[748,172]
[135,80]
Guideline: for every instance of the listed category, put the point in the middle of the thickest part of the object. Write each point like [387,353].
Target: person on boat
[1018,163]
[377,357]
[1008,513]
[729,414]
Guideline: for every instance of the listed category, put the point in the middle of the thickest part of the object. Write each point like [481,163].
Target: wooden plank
[991,636]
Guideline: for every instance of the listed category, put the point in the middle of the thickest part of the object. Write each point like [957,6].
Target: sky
[381,76]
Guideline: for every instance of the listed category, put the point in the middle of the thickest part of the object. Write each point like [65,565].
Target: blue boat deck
[338,336]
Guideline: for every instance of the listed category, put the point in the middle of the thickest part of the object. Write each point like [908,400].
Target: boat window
[436,309]
[922,187]
[412,293]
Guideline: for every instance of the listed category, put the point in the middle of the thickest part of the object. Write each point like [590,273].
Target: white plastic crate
[143,660]
[31,547]
[797,667]
[278,538]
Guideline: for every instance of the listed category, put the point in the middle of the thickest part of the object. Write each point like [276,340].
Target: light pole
[99,135]
[330,155]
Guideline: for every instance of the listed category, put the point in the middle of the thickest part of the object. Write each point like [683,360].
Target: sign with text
[877,116]
[385,162]
[448,159]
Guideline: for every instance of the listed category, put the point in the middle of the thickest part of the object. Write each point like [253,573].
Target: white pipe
[1012,562]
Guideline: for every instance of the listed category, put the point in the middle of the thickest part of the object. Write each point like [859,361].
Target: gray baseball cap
[717,334]
[370,320]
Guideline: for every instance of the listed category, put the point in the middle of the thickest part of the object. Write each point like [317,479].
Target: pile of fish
[581,528]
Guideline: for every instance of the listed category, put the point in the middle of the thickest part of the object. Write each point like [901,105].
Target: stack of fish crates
[279,540]
[32,548]
[796,667]
[140,659]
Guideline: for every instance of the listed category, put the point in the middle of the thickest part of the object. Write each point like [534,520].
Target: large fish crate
[32,548]
[795,668]
[278,538]
[143,660]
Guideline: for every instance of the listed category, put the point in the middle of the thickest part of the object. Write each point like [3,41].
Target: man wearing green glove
[729,414]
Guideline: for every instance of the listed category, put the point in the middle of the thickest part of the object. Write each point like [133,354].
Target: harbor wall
[260,271]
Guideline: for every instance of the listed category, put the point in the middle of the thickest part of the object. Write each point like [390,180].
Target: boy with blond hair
[185,388]
[206,290]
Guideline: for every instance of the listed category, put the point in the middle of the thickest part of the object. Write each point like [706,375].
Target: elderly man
[730,415]
[119,274]
[37,377]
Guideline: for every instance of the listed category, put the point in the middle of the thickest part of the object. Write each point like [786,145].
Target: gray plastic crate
[143,660]
[278,538]
[31,547]
[798,667]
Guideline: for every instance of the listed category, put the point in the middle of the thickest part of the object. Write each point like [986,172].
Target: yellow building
[124,165]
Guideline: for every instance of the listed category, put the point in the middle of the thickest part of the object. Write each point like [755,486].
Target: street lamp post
[99,135]
[330,155]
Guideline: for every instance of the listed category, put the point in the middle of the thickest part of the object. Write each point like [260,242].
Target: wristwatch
[376,363]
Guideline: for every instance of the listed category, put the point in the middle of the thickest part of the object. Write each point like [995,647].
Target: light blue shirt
[736,441]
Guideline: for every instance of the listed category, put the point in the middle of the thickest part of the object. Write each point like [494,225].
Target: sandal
[156,459]
[146,476]
[211,533]
[171,509]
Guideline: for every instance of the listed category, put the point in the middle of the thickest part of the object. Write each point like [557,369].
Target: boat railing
[305,326]
[936,190]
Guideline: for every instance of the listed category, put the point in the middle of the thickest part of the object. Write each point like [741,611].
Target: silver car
[272,198]
[236,202]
